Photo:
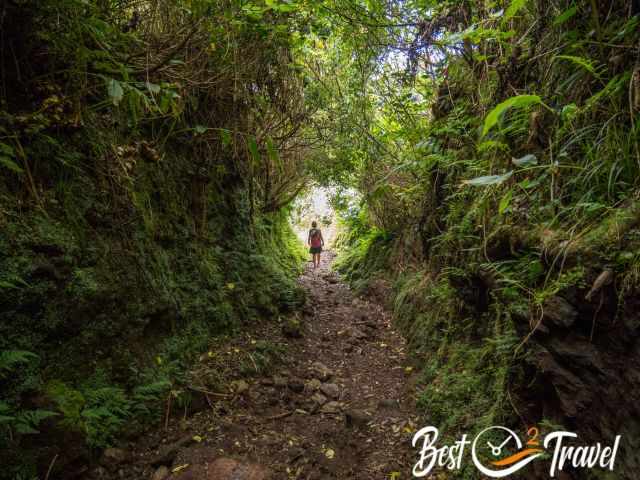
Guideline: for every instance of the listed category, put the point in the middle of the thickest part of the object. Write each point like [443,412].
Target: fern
[589,65]
[151,391]
[147,394]
[70,402]
[6,413]
[23,422]
[27,421]
[9,359]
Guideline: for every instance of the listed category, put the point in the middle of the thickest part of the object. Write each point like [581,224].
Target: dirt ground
[338,403]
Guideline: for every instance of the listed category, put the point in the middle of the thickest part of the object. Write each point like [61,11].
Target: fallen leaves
[180,468]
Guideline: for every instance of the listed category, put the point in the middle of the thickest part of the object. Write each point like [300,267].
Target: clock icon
[503,463]
[509,438]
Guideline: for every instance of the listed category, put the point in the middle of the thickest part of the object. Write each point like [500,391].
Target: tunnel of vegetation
[150,151]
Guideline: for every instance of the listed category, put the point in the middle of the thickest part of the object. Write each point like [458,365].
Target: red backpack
[315,237]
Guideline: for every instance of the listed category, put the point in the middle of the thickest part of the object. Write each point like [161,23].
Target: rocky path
[335,405]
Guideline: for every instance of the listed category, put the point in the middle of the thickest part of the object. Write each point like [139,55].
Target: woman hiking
[315,242]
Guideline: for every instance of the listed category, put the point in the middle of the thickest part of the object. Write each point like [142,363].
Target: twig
[254,362]
[51,466]
[207,392]
[595,316]
[170,55]
[514,407]
[530,334]
[279,416]
[166,415]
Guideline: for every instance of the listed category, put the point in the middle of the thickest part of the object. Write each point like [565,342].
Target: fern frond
[10,358]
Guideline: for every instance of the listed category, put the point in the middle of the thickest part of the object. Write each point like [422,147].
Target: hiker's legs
[316,260]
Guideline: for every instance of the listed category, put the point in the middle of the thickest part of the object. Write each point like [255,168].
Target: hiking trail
[338,405]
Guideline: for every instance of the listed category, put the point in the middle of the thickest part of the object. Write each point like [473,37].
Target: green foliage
[144,195]
[7,156]
[519,101]
[363,252]
[144,189]
[100,411]
[488,180]
[585,63]
[566,15]
[540,119]
[10,359]
[17,421]
[514,7]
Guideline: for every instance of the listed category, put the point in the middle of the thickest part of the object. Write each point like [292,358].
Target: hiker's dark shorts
[315,250]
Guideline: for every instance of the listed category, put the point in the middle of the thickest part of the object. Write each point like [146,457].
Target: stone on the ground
[319,398]
[313,385]
[168,452]
[230,469]
[331,390]
[239,386]
[331,407]
[356,418]
[321,371]
[112,457]
[296,385]
[161,473]
[223,469]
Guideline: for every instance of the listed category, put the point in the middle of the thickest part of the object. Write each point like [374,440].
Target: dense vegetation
[485,155]
[498,174]
[145,168]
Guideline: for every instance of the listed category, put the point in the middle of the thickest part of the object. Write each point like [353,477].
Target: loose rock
[239,386]
[321,371]
[313,385]
[168,452]
[112,457]
[331,390]
[356,418]
[161,473]
[223,469]
[319,398]
[230,469]
[331,407]
[296,385]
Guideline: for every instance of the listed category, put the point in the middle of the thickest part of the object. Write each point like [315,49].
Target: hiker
[316,242]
